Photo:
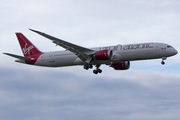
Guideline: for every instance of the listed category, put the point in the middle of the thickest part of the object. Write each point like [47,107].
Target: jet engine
[121,66]
[103,55]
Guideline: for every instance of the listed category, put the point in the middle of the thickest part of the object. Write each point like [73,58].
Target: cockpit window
[169,46]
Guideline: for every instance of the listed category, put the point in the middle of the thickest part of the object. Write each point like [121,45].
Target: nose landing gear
[164,58]
[162,62]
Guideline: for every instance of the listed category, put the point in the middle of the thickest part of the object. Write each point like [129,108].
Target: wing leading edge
[83,53]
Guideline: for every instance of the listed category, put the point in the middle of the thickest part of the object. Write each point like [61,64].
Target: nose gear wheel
[162,62]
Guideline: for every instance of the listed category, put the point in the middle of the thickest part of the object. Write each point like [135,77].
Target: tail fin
[27,47]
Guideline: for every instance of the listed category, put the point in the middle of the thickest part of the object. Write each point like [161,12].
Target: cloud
[38,93]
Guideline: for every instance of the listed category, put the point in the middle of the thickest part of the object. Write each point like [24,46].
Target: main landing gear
[86,67]
[164,58]
[96,71]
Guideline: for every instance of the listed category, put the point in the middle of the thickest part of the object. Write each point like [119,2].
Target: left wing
[83,53]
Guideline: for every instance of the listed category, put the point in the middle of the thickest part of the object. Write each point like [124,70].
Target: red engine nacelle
[121,66]
[103,55]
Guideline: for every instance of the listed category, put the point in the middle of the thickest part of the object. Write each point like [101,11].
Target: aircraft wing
[83,53]
[17,56]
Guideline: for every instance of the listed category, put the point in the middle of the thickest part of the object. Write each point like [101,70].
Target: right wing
[83,53]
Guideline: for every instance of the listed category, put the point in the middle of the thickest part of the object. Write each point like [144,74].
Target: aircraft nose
[175,52]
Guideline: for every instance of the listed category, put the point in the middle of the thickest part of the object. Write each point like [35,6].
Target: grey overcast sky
[147,91]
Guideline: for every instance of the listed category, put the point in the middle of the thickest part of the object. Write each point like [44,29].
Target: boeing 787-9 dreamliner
[117,57]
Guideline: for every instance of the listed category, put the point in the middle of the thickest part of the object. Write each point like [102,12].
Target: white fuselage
[121,53]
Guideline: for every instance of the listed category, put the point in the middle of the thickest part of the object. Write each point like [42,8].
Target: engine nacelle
[121,66]
[103,55]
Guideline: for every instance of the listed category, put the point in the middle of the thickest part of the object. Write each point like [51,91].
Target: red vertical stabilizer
[27,47]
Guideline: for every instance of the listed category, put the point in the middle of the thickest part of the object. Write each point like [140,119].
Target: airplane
[117,57]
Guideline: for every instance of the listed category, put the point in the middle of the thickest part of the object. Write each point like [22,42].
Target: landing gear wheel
[95,71]
[90,66]
[99,71]
[86,67]
[164,58]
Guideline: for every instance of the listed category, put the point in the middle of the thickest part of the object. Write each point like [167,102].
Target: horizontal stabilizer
[19,57]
